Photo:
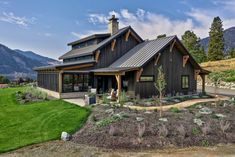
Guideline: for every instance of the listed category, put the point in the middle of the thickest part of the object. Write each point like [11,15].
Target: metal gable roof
[140,54]
[90,49]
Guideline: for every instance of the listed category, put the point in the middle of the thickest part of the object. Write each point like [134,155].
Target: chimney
[113,25]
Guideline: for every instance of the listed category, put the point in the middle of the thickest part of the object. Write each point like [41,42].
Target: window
[146,78]
[185,81]
[75,82]
[87,57]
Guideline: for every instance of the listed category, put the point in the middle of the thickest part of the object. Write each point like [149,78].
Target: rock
[129,104]
[197,121]
[163,119]
[176,100]
[199,106]
[225,104]
[139,119]
[148,104]
[65,136]
[109,111]
[219,115]
[148,112]
[163,101]
[205,110]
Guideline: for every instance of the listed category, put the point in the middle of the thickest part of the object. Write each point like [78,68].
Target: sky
[46,26]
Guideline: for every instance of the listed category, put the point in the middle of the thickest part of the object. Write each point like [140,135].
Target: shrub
[175,110]
[181,130]
[224,126]
[195,131]
[123,98]
[163,131]
[205,143]
[105,100]
[206,129]
[141,130]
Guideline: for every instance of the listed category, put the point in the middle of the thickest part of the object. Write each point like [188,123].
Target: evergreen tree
[216,44]
[191,42]
[232,53]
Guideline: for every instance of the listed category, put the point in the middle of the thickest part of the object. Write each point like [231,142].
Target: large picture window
[75,82]
[185,81]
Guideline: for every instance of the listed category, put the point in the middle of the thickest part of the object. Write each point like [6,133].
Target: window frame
[182,83]
[146,76]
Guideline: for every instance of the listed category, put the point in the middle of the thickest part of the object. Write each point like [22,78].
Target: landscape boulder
[205,110]
[163,119]
[139,119]
[197,121]
[65,136]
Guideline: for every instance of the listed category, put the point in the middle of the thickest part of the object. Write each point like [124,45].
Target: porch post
[60,82]
[203,83]
[118,78]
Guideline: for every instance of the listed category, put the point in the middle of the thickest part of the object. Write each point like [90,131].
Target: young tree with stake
[160,84]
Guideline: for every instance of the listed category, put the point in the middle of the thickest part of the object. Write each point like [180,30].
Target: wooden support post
[203,83]
[196,73]
[138,74]
[119,81]
[113,44]
[60,82]
[172,45]
[97,55]
[127,35]
[185,59]
[158,57]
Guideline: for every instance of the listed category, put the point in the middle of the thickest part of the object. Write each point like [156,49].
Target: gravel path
[181,104]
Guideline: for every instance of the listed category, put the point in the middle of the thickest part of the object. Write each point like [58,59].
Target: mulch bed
[126,134]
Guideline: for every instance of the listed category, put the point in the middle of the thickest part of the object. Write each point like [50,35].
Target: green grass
[22,125]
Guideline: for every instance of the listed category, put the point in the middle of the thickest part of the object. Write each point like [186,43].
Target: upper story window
[185,81]
[78,58]
[84,44]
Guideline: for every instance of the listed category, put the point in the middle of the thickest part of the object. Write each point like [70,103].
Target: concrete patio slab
[76,101]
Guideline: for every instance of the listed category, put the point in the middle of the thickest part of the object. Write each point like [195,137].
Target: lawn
[22,125]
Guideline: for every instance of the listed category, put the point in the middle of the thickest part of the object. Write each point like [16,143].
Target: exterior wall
[172,63]
[107,56]
[50,93]
[48,80]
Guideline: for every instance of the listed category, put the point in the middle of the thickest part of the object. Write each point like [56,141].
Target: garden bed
[170,100]
[123,128]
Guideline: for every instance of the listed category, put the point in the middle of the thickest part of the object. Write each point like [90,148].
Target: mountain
[229,38]
[15,62]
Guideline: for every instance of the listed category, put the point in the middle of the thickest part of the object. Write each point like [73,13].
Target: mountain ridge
[15,62]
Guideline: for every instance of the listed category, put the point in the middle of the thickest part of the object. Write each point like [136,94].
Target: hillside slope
[221,65]
[17,61]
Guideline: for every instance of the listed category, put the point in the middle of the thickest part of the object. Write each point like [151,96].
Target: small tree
[160,84]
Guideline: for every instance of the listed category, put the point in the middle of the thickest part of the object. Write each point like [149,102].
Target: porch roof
[114,69]
[54,67]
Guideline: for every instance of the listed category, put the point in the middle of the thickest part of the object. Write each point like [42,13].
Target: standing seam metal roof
[140,54]
[92,48]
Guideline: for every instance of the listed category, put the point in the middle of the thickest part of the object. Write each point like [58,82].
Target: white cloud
[82,35]
[150,24]
[13,19]
[4,2]
[48,34]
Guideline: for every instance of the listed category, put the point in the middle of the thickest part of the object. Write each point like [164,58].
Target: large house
[121,59]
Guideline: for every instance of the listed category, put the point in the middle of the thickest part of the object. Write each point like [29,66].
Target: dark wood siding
[107,56]
[172,63]
[48,80]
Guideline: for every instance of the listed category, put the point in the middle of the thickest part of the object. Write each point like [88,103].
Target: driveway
[222,91]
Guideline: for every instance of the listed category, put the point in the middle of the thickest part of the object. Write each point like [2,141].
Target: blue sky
[46,26]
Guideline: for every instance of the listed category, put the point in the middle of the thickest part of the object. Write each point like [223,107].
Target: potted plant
[90,98]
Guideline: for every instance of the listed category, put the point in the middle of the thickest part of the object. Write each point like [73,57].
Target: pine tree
[232,53]
[216,44]
[191,42]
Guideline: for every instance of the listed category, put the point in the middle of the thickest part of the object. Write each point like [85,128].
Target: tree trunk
[160,98]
